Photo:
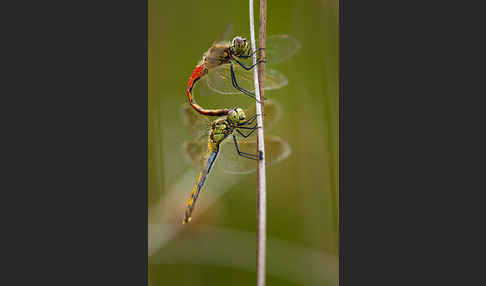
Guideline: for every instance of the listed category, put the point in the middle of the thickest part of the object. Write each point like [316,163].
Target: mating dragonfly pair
[222,69]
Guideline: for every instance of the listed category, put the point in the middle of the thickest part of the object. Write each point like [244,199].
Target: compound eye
[238,41]
[241,114]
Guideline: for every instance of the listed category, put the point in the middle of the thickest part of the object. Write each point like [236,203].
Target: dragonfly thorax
[220,129]
[240,47]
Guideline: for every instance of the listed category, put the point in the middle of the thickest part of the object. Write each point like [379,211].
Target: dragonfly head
[240,46]
[236,116]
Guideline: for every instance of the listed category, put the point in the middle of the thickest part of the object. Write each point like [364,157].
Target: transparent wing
[201,88]
[218,79]
[280,48]
[225,36]
[197,125]
[276,149]
[196,152]
[271,113]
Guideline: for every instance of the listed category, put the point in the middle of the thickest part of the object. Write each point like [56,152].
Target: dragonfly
[223,70]
[210,143]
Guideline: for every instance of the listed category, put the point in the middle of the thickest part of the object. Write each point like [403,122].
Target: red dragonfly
[222,70]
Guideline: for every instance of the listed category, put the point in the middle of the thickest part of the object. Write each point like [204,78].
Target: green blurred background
[218,246]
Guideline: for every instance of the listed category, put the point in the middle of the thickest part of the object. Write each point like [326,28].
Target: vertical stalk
[261,176]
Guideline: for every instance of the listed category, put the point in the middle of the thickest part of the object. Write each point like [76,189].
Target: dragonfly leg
[246,135]
[250,120]
[250,67]
[246,127]
[235,85]
[243,154]
[252,117]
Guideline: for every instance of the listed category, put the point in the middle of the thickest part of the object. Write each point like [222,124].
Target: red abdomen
[198,72]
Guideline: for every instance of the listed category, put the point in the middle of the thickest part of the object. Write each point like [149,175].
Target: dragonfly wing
[218,79]
[197,124]
[280,48]
[225,36]
[202,88]
[196,152]
[276,149]
[271,113]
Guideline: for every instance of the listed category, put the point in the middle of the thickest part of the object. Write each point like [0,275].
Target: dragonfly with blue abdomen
[211,137]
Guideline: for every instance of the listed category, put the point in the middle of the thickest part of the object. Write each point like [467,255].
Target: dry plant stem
[261,177]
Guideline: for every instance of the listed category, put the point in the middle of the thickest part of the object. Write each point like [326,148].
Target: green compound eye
[241,114]
[236,156]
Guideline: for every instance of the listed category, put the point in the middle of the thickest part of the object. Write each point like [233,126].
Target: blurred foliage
[218,246]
